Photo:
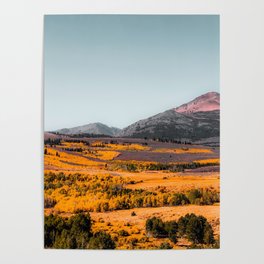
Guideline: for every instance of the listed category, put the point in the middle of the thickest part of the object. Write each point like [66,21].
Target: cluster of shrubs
[169,140]
[138,167]
[195,228]
[165,245]
[84,183]
[52,142]
[158,229]
[48,153]
[74,233]
[203,196]
[49,202]
[115,195]
[85,142]
[74,149]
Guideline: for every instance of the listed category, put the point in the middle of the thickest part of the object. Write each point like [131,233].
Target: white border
[242,42]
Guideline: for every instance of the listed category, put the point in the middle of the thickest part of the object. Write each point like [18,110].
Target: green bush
[203,197]
[208,234]
[123,233]
[173,238]
[133,242]
[196,229]
[101,240]
[171,227]
[80,223]
[65,240]
[193,195]
[165,245]
[179,199]
[53,227]
[49,202]
[155,227]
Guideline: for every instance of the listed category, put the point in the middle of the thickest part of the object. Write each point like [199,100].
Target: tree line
[172,167]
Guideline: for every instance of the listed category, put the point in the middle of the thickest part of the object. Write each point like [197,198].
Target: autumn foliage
[88,180]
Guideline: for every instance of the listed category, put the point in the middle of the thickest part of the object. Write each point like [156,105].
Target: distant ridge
[195,121]
[93,128]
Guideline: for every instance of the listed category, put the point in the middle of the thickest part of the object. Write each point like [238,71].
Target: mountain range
[196,121]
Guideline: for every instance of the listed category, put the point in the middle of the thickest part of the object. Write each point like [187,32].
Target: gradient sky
[118,69]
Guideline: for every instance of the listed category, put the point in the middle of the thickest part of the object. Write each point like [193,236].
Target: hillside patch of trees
[79,192]
[74,233]
[195,228]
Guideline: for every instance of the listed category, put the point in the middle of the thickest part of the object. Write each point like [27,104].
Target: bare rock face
[204,103]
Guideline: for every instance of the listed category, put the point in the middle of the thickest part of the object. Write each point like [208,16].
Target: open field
[175,182]
[113,222]
[124,182]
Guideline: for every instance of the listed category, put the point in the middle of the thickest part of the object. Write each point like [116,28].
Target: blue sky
[118,69]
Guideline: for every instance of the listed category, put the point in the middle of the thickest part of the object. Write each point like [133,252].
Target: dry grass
[104,155]
[184,150]
[179,182]
[62,160]
[135,225]
[66,144]
[206,161]
[129,147]
[211,212]
[90,152]
[113,222]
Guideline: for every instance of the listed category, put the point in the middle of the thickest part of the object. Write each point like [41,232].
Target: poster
[132,132]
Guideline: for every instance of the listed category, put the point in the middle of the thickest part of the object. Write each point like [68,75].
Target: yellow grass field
[174,181]
[185,150]
[204,161]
